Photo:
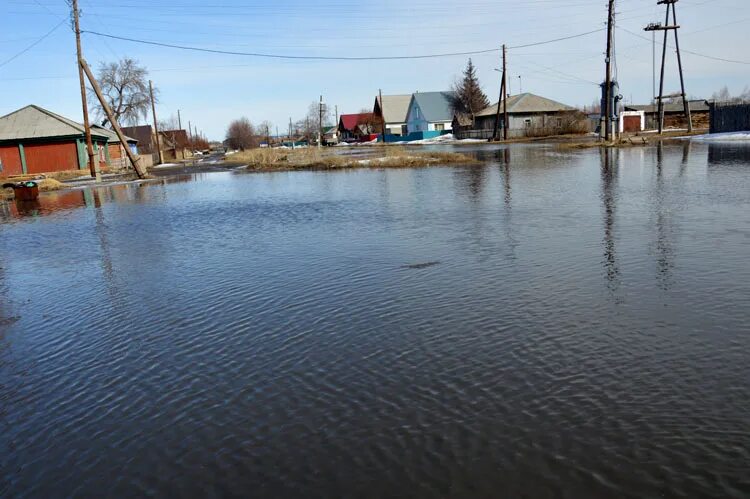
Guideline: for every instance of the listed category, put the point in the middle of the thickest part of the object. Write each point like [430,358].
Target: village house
[430,112]
[358,127]
[35,140]
[674,114]
[393,110]
[175,144]
[118,157]
[529,115]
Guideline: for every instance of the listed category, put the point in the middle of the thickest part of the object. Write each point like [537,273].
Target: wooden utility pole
[505,101]
[320,122]
[156,126]
[93,162]
[661,97]
[134,160]
[179,120]
[499,101]
[382,114]
[608,78]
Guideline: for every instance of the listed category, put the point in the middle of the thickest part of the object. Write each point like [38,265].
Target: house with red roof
[358,127]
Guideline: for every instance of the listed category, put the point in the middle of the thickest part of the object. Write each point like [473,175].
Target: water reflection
[609,173]
[722,154]
[664,233]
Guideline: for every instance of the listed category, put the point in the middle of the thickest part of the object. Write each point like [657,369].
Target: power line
[327,58]
[37,42]
[690,51]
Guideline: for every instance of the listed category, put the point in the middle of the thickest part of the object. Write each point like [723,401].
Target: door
[631,124]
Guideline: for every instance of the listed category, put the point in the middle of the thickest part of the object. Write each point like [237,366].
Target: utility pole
[156,127]
[320,122]
[499,101]
[134,159]
[337,115]
[382,114]
[661,97]
[653,67]
[505,101]
[93,162]
[179,120]
[520,85]
[608,79]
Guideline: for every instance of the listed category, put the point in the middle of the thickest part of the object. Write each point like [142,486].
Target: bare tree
[724,95]
[368,122]
[125,87]
[241,134]
[264,129]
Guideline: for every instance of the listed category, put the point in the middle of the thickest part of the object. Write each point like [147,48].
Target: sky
[37,51]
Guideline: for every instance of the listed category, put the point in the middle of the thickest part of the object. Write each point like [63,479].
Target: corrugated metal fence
[729,117]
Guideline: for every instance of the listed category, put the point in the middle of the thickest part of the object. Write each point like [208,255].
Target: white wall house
[430,111]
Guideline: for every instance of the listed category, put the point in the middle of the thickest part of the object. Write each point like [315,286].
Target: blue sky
[210,89]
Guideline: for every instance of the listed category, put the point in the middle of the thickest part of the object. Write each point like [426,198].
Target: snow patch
[721,137]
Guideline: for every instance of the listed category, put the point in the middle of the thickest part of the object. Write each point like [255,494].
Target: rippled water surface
[554,323]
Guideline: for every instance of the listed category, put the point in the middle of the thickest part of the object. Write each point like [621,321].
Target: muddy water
[554,324]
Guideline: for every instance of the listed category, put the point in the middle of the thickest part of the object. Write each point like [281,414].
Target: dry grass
[313,158]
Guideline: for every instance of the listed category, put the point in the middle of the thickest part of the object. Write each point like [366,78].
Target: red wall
[114,151]
[11,161]
[43,158]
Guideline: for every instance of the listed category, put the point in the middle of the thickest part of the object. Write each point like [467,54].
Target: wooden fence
[729,117]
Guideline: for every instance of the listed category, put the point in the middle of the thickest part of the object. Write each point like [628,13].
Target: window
[559,122]
[439,127]
[403,130]
[527,123]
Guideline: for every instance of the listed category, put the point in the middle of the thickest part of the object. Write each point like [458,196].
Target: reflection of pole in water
[512,243]
[506,175]
[685,156]
[664,250]
[95,200]
[609,172]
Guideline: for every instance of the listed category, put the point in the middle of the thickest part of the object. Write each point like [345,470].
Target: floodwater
[552,324]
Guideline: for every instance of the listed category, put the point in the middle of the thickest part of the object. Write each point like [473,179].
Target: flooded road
[552,324]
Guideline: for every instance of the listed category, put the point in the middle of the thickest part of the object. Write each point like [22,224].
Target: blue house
[430,112]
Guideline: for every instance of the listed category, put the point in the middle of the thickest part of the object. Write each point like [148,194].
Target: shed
[35,140]
[674,114]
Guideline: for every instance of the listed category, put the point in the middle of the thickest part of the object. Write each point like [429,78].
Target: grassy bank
[327,159]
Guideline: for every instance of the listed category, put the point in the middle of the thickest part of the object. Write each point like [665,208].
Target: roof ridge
[60,118]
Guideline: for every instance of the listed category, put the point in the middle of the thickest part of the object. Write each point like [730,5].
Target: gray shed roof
[110,134]
[395,107]
[34,122]
[527,103]
[698,105]
[435,106]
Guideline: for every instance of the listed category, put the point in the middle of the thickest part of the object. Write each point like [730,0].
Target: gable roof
[699,105]
[350,121]
[111,135]
[395,108]
[527,103]
[435,106]
[34,122]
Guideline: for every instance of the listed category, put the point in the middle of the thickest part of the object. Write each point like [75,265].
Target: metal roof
[527,103]
[350,121]
[34,122]
[111,134]
[435,106]
[698,105]
[395,107]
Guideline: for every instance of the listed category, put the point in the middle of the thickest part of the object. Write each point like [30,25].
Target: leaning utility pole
[156,126]
[93,163]
[134,159]
[608,78]
[661,97]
